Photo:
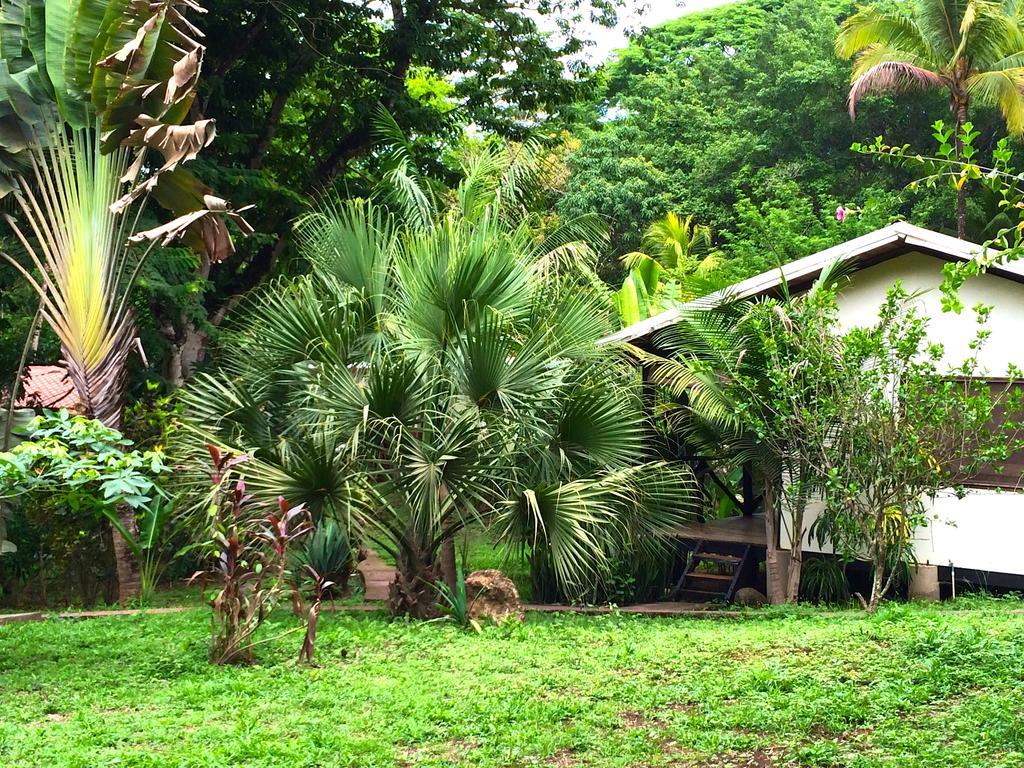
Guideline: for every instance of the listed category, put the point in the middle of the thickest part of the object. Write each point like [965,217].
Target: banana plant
[147,546]
[94,98]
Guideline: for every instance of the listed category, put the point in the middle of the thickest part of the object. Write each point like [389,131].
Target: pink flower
[840,214]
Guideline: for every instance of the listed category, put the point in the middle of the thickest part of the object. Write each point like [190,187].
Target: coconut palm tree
[93,99]
[676,242]
[440,372]
[972,49]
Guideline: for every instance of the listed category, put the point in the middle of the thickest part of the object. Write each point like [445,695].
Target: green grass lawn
[913,686]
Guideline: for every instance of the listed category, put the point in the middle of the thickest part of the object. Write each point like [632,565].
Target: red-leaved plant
[321,588]
[250,551]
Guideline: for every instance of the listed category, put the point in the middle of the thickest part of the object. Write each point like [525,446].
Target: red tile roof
[47,386]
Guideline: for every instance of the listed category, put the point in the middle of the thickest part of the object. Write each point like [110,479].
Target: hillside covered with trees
[738,116]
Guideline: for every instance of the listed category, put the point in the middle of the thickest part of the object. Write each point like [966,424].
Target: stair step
[717,585]
[714,557]
[698,596]
[716,576]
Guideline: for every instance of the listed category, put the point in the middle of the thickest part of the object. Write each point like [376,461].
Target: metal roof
[893,240]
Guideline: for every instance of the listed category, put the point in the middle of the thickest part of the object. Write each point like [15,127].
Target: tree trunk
[960,109]
[128,580]
[110,412]
[414,592]
[876,585]
[776,591]
[186,350]
[796,554]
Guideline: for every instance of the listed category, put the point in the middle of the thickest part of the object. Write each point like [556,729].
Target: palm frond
[1002,88]
[870,27]
[890,76]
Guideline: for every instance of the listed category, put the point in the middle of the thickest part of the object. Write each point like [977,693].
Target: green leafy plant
[905,425]
[328,553]
[824,581]
[70,472]
[439,369]
[148,545]
[80,463]
[455,604]
[249,549]
[759,379]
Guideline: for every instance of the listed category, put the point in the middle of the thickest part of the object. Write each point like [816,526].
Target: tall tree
[736,115]
[972,49]
[295,86]
[439,367]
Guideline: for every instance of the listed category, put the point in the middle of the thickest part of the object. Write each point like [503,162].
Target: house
[977,537]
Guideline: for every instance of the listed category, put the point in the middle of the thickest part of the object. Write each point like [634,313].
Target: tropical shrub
[455,603]
[824,581]
[249,548]
[70,473]
[906,425]
[326,555]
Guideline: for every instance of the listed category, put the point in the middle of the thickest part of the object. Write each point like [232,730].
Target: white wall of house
[860,299]
[985,529]
[982,531]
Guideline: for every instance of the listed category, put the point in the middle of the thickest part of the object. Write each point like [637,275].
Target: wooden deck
[734,530]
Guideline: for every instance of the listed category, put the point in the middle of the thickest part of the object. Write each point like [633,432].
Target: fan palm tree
[972,49]
[443,372]
[93,95]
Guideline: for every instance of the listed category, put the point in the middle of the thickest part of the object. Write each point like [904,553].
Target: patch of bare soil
[857,738]
[635,718]
[563,758]
[769,757]
[453,751]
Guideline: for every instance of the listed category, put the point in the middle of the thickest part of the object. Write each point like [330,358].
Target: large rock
[492,595]
[749,596]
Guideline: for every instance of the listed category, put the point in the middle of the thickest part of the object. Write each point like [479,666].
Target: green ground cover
[913,686]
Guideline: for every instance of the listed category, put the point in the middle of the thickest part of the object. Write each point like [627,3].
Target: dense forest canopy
[738,116]
[735,116]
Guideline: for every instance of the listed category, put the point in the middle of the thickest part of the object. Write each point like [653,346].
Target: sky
[650,13]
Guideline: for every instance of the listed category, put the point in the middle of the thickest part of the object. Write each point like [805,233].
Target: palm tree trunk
[109,409]
[960,109]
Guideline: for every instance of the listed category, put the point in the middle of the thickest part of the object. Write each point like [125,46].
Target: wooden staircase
[730,565]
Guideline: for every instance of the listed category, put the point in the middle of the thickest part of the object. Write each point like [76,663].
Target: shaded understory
[914,686]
